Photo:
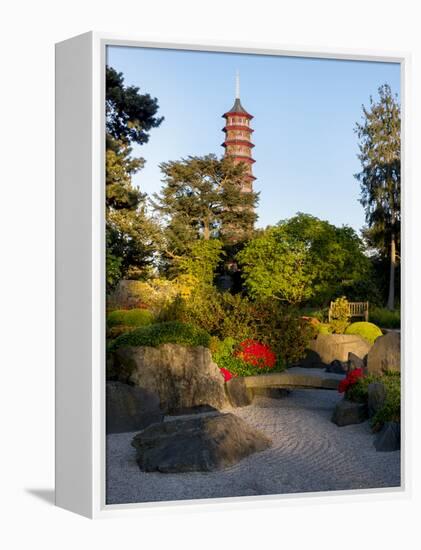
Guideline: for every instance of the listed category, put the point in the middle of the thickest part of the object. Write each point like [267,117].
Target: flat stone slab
[296,377]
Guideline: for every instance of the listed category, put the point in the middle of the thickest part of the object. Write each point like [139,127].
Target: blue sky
[305,111]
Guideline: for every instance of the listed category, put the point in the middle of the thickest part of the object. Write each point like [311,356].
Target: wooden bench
[355,309]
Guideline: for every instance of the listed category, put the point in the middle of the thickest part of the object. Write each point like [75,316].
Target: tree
[303,258]
[201,260]
[380,178]
[130,232]
[129,114]
[202,198]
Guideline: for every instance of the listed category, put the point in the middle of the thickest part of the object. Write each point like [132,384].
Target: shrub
[283,330]
[338,326]
[130,318]
[340,309]
[350,380]
[220,313]
[256,354]
[227,315]
[248,358]
[172,332]
[391,410]
[385,318]
[368,331]
[156,294]
[324,328]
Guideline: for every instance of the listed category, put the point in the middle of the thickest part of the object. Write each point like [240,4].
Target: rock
[238,394]
[347,412]
[311,360]
[355,362]
[328,347]
[183,377]
[376,397]
[389,438]
[385,355]
[197,444]
[337,367]
[130,408]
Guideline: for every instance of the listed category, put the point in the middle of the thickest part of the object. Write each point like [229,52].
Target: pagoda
[237,142]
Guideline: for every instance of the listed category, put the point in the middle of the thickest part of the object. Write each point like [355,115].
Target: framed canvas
[230,274]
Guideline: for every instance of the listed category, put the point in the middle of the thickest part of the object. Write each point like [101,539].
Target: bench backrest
[355,309]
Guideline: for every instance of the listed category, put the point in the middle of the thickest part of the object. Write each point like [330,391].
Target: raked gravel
[309,453]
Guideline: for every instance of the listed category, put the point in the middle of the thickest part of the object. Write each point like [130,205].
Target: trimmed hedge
[368,331]
[130,318]
[171,332]
[386,318]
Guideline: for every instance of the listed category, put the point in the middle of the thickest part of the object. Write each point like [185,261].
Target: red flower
[256,354]
[350,379]
[226,374]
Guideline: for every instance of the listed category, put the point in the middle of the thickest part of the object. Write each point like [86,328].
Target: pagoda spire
[237,85]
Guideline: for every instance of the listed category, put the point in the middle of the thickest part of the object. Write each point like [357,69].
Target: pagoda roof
[237,108]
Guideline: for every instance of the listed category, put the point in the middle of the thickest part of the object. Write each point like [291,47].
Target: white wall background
[28,32]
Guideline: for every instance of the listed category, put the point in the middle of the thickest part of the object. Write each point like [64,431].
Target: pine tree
[380,177]
[130,116]
[202,198]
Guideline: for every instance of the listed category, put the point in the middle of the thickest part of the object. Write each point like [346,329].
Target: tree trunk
[206,231]
[391,298]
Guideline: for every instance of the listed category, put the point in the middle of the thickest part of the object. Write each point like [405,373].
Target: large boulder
[195,444]
[385,355]
[347,412]
[130,408]
[329,347]
[183,377]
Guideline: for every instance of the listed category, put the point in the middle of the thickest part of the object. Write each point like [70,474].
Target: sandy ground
[309,453]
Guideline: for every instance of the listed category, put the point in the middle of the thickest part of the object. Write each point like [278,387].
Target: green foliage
[386,318]
[201,260]
[368,331]
[226,315]
[340,309]
[201,199]
[283,329]
[113,270]
[172,332]
[324,328]
[131,234]
[303,259]
[130,317]
[223,355]
[129,114]
[338,327]
[391,410]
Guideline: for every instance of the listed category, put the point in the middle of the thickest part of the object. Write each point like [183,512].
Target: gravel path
[309,453]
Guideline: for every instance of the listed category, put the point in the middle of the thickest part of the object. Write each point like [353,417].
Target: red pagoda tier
[237,142]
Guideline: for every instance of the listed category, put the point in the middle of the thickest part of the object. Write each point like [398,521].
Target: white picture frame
[80,271]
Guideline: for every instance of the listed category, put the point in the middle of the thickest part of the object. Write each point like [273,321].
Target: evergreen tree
[202,199]
[130,232]
[380,178]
